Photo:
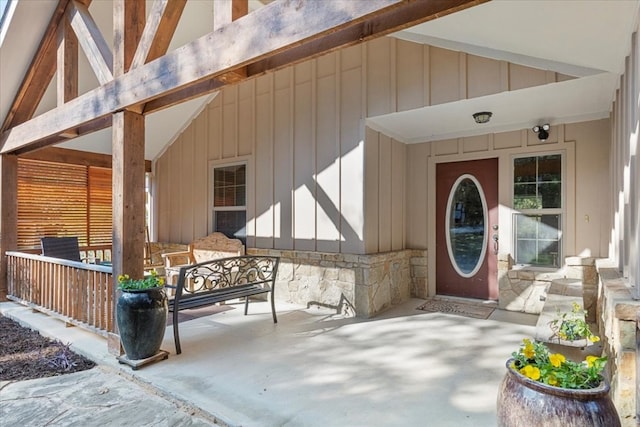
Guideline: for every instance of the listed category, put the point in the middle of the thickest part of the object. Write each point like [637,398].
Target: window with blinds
[57,200]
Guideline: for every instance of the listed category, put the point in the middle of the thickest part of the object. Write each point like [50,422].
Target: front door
[467,229]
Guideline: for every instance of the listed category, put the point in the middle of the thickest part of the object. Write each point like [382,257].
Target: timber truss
[137,74]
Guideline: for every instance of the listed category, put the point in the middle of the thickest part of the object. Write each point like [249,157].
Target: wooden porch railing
[78,293]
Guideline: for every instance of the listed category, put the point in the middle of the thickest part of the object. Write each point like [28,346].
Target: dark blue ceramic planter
[142,319]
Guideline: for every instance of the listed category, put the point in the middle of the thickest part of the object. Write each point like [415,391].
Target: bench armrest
[172,259]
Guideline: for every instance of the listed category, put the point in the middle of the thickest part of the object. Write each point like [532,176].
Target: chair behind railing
[78,293]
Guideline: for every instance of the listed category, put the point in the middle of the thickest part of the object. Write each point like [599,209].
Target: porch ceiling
[585,39]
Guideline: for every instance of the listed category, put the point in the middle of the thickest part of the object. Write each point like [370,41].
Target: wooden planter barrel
[524,402]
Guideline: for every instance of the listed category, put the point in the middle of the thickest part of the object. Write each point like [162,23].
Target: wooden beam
[237,44]
[226,11]
[67,61]
[87,128]
[38,76]
[128,180]
[8,214]
[75,157]
[158,31]
[192,92]
[93,43]
[128,24]
[411,14]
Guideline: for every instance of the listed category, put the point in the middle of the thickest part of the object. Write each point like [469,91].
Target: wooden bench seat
[223,279]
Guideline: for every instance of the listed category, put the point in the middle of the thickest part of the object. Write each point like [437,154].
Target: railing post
[8,214]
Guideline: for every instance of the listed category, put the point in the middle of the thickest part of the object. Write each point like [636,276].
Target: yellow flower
[594,338]
[531,372]
[528,351]
[557,359]
[552,380]
[590,360]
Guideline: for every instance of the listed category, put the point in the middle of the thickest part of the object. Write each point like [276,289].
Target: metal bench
[215,245]
[210,282]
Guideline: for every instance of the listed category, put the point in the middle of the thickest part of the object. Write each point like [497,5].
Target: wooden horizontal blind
[57,200]
[100,209]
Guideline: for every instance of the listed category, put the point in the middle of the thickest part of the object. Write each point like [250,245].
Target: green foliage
[572,326]
[534,361]
[126,283]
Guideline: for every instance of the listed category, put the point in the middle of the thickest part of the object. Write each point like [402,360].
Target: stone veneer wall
[355,285]
[525,290]
[618,317]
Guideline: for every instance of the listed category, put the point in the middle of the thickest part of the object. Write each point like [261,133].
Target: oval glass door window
[466,225]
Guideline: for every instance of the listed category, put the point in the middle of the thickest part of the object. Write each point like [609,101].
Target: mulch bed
[25,354]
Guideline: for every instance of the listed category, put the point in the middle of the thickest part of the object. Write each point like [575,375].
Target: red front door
[466,223]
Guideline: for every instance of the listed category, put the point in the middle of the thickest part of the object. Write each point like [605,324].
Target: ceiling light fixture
[542,131]
[482,117]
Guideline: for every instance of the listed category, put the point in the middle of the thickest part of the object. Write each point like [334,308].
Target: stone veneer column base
[355,285]
[619,326]
[526,289]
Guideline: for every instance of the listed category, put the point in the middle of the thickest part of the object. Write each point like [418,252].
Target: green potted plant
[141,315]
[545,388]
[572,326]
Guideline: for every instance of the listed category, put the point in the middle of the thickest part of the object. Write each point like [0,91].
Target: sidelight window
[537,200]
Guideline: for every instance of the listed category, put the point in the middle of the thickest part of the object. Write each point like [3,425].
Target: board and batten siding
[300,132]
[320,181]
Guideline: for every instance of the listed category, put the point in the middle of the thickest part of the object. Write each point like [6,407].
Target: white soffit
[576,100]
[582,38]
[586,34]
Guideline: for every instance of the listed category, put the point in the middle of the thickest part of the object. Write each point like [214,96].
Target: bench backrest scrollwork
[221,273]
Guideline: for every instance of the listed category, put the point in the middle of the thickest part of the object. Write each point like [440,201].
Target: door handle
[495,243]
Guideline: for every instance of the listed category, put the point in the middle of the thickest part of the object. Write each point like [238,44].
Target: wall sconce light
[482,117]
[542,131]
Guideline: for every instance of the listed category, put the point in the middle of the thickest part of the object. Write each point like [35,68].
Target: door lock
[495,239]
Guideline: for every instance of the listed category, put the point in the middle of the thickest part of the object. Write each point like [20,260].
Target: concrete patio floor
[405,367]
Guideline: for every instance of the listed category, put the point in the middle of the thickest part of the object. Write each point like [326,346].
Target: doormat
[476,311]
[196,313]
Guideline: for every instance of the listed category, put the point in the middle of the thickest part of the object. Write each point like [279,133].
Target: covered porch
[316,368]
[327,121]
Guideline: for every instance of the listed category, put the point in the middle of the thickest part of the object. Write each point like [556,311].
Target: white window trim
[563,212]
[213,165]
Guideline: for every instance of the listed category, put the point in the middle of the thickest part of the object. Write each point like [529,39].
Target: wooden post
[128,175]
[225,11]
[8,214]
[128,165]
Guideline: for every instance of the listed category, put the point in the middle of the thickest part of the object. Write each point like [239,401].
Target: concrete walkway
[403,368]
